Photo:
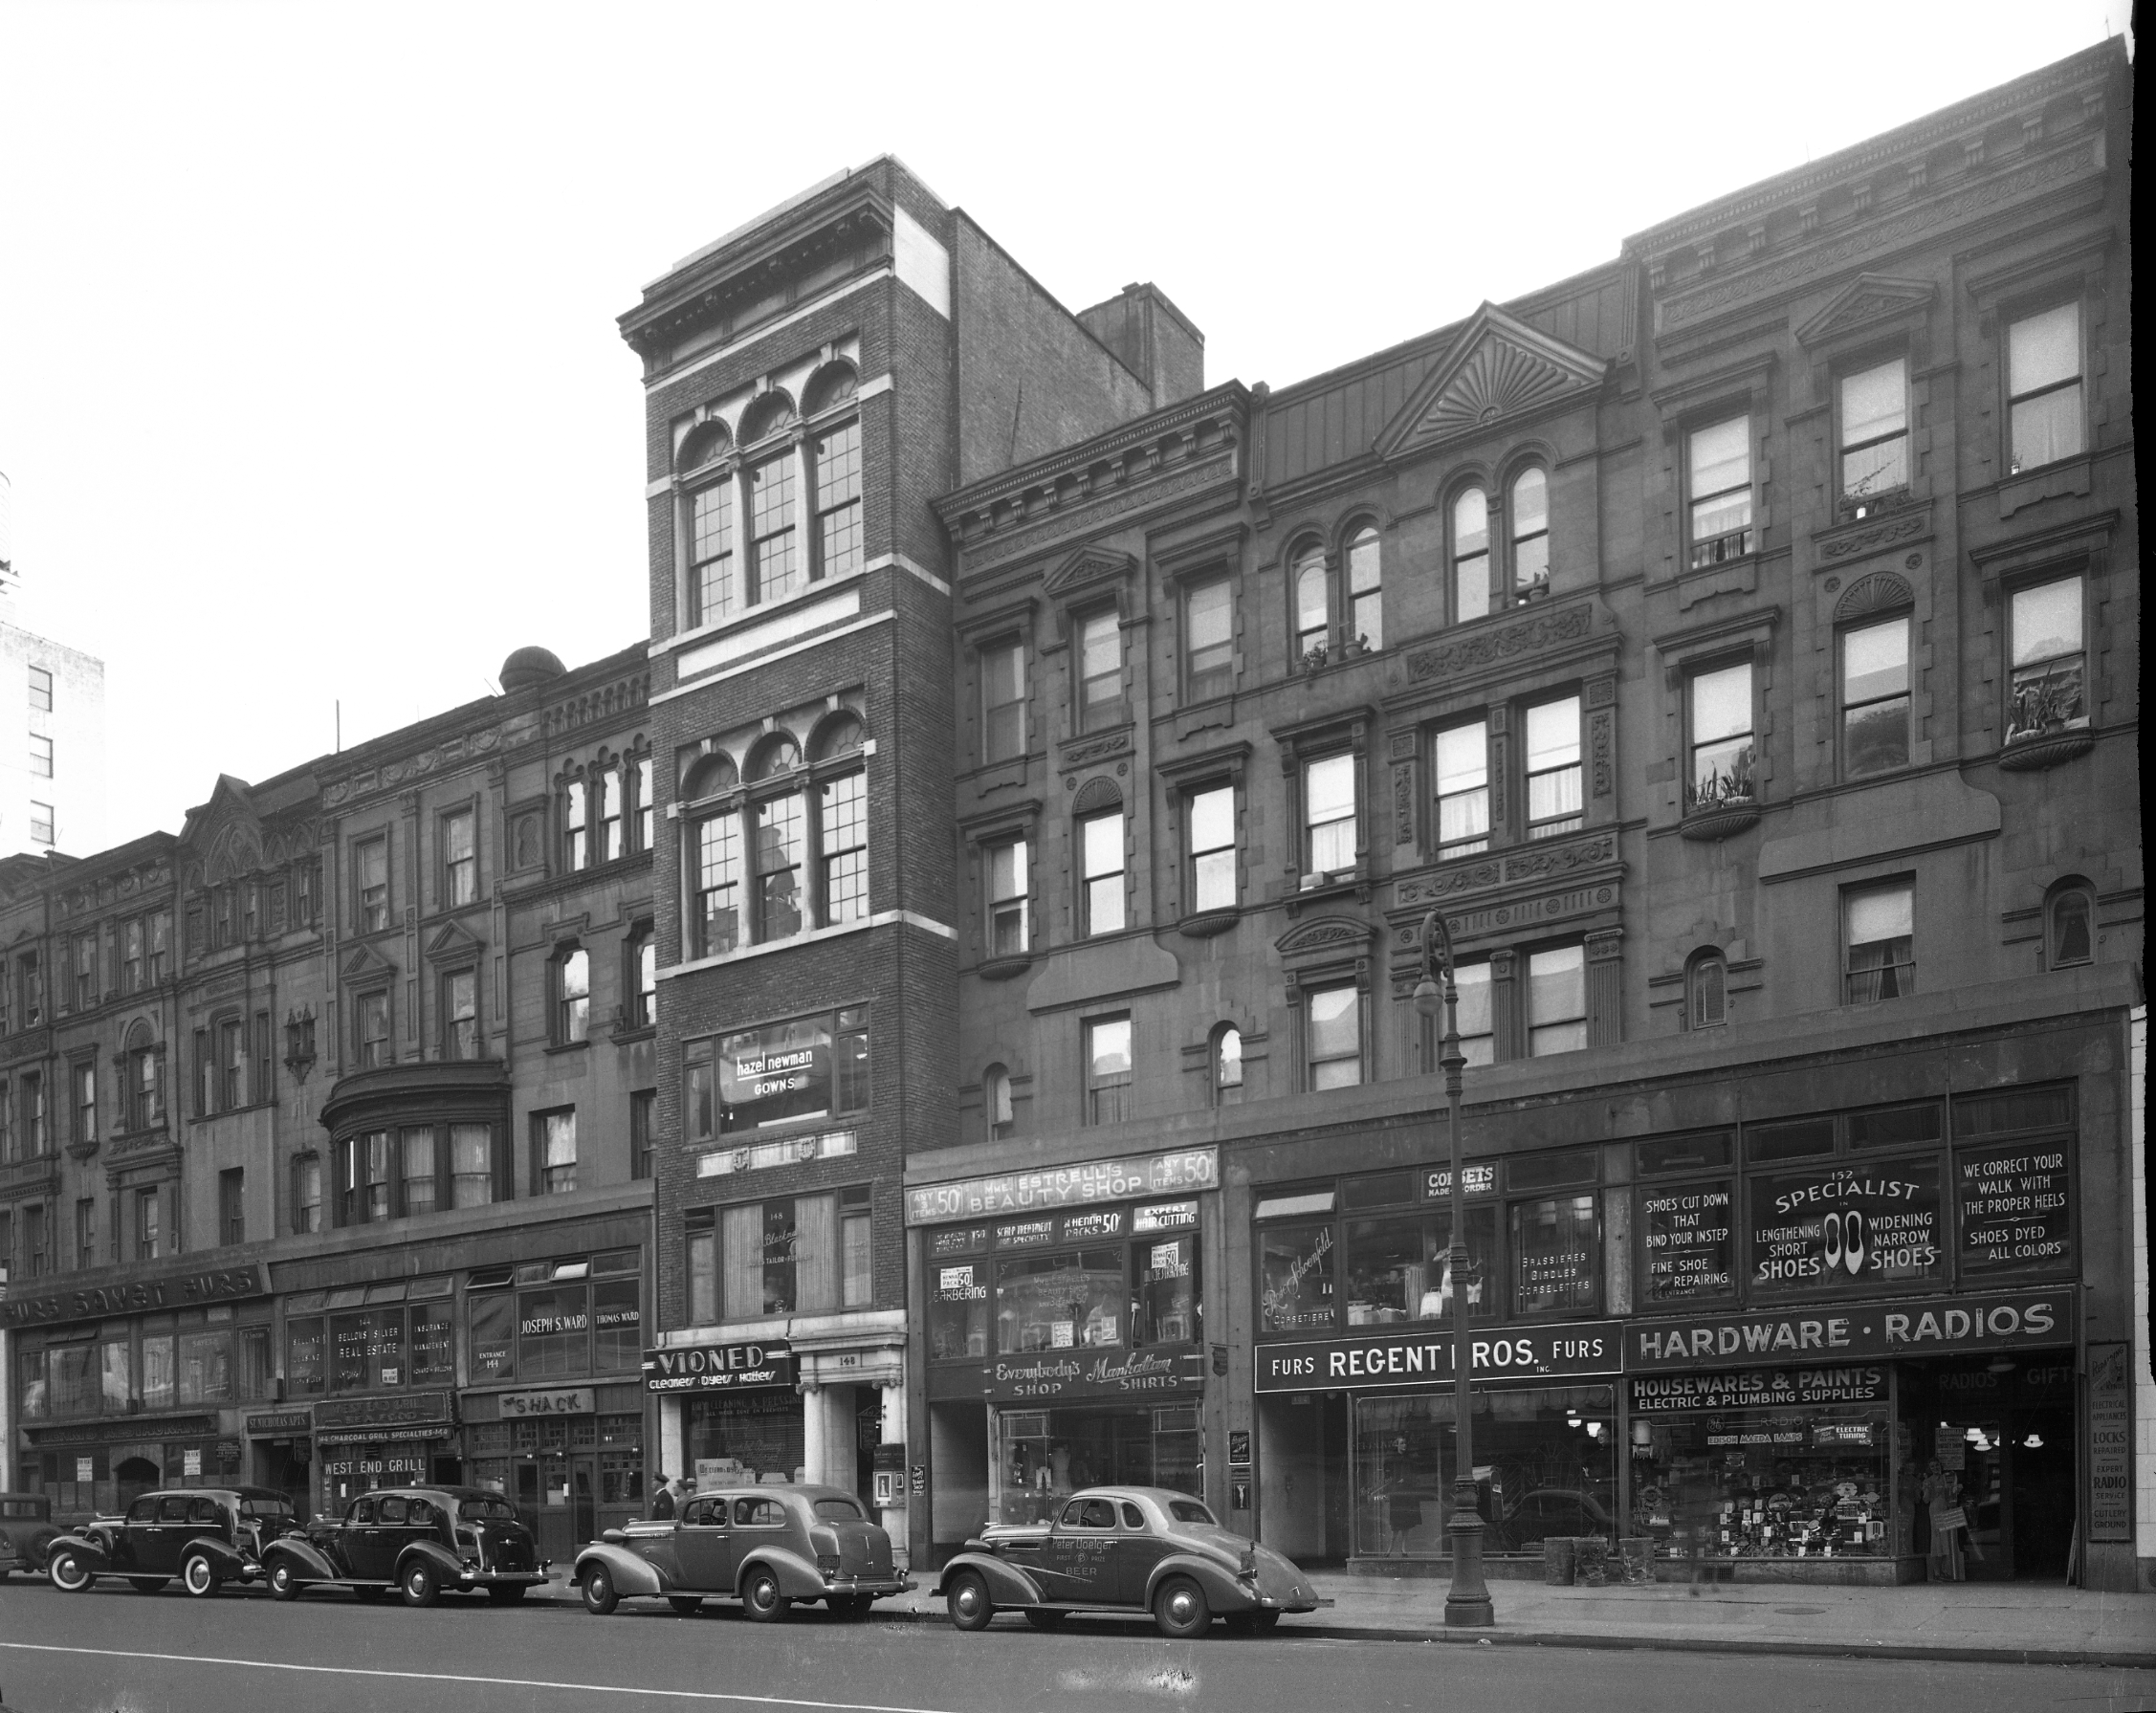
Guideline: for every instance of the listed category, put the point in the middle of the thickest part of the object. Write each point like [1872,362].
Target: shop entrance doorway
[2003,1428]
[555,1496]
[132,1478]
[1303,1506]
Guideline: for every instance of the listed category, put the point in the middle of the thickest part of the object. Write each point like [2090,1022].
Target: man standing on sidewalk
[662,1499]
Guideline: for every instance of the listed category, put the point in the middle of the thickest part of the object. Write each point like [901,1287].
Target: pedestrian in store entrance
[662,1498]
[1943,1505]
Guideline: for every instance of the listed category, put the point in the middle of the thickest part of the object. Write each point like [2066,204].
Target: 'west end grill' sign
[177,1291]
[758,1367]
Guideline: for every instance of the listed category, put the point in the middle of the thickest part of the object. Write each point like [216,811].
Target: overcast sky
[309,382]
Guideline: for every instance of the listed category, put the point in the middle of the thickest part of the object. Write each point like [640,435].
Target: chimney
[1152,339]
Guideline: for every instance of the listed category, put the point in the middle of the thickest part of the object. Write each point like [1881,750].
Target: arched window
[1705,990]
[1471,555]
[1228,1065]
[996,1101]
[709,774]
[770,413]
[1530,534]
[706,444]
[1097,824]
[572,996]
[838,735]
[1307,579]
[834,457]
[778,755]
[2070,924]
[1366,606]
[833,385]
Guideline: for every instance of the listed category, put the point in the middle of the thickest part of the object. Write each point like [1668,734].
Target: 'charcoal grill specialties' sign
[2015,1209]
[1688,1236]
[1846,1225]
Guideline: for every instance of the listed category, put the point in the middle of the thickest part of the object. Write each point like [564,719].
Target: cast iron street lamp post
[1468,1602]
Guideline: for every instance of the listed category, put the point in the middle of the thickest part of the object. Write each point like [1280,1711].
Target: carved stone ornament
[1081,752]
[1867,300]
[1504,642]
[1324,933]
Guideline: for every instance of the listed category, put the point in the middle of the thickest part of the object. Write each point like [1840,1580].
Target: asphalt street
[115,1651]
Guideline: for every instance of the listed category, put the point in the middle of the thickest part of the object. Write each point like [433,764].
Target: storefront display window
[1047,1455]
[1295,1265]
[306,1361]
[493,1336]
[1557,1256]
[157,1371]
[1061,1302]
[1166,1303]
[205,1368]
[957,1316]
[554,1332]
[1545,1464]
[743,1436]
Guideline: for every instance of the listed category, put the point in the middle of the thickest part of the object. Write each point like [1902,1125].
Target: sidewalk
[2003,1623]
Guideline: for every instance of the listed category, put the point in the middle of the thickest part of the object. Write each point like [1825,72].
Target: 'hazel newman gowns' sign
[1844,1332]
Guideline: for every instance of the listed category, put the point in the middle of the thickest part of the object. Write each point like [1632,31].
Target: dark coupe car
[207,1536]
[1125,1549]
[420,1541]
[26,1532]
[765,1545]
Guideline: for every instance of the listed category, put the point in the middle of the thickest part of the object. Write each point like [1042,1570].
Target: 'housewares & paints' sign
[760,1365]
[178,1290]
[1859,1383]
[1074,1374]
[1051,1187]
[1915,1327]
[1408,1359]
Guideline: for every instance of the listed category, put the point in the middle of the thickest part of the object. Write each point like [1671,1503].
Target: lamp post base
[1468,1603]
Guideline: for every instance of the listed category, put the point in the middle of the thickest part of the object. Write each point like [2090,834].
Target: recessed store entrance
[2002,1432]
[1302,1507]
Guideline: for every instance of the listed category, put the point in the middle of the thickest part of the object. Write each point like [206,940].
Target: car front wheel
[761,1596]
[967,1597]
[283,1585]
[599,1594]
[199,1577]
[419,1584]
[69,1573]
[1179,1609]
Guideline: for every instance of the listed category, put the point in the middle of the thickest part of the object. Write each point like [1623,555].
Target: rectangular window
[807,1067]
[33,1087]
[1107,1070]
[700,1110]
[1554,782]
[85,950]
[1002,701]
[2044,386]
[857,1283]
[131,957]
[1333,1032]
[231,1206]
[460,860]
[1557,1256]
[471,1165]
[1879,933]
[158,962]
[702,1233]
[1209,639]
[1720,465]
[149,1089]
[1100,838]
[40,757]
[1477,1036]
[307,1192]
[1875,430]
[837,456]
[1721,716]
[41,690]
[86,1103]
[1462,765]
[554,1162]
[1212,849]
[460,1014]
[646,806]
[41,824]
[779,840]
[843,837]
[775,569]
[259,1061]
[1875,697]
[373,1028]
[36,1255]
[419,1169]
[1556,1000]
[1100,672]
[1009,931]
[2048,660]
[576,828]
[644,978]
[643,1116]
[1328,815]
[371,871]
[572,1000]
[718,884]
[610,814]
[711,552]
[150,1234]
[86,1232]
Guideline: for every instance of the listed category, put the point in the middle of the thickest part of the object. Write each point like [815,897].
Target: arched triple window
[776,507]
[2070,924]
[1523,532]
[784,852]
[1707,978]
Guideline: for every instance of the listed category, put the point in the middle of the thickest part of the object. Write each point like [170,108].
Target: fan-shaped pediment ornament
[1095,796]
[1324,934]
[1499,369]
[1881,592]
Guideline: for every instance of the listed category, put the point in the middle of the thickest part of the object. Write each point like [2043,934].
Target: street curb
[1649,1643]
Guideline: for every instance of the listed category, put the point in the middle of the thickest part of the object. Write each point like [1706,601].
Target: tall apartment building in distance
[51,725]
[939,1018]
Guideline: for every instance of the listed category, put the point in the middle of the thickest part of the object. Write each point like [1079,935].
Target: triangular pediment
[1498,371]
[1324,933]
[455,944]
[1867,300]
[1086,568]
[224,837]
[364,964]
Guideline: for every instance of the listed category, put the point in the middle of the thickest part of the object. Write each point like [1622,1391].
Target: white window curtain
[816,1254]
[741,1245]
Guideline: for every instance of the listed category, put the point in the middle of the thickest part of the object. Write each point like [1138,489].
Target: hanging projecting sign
[1858,1226]
[760,1365]
[1052,1187]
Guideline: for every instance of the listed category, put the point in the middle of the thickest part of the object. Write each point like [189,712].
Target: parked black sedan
[26,1532]
[1128,1548]
[420,1541]
[207,1536]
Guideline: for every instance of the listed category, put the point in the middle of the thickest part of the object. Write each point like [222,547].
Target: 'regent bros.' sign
[1839,1331]
[757,1367]
[1425,1358]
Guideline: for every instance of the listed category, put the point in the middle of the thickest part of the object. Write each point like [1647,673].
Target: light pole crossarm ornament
[1467,1602]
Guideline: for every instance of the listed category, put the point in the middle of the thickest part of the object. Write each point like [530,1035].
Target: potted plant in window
[1722,801]
[2038,735]
[1313,657]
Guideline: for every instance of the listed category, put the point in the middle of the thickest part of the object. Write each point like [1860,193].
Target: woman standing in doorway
[1942,1502]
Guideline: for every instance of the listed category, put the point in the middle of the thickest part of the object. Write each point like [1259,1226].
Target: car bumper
[876,1587]
[503,1578]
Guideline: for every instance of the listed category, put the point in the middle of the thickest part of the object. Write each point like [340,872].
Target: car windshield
[845,1509]
[1189,1511]
[486,1510]
[266,1511]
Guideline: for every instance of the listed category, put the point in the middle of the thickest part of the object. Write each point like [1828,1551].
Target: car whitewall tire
[199,1576]
[69,1573]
